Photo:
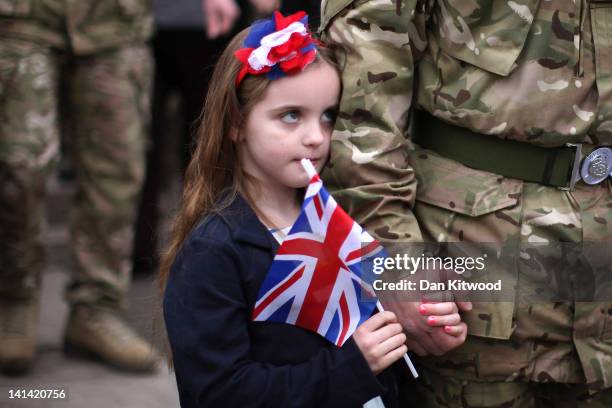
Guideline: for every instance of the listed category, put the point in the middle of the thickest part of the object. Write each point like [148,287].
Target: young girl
[244,181]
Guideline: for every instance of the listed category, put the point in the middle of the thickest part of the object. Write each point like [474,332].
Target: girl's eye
[290,117]
[329,116]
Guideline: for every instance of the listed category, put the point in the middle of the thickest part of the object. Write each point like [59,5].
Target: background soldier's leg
[28,149]
[110,100]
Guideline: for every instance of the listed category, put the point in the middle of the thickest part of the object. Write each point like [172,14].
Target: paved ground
[88,383]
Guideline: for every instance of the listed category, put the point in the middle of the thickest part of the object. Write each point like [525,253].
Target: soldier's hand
[423,338]
[417,332]
[449,338]
[220,16]
[464,306]
[265,7]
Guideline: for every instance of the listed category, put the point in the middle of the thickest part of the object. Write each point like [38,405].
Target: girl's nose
[315,135]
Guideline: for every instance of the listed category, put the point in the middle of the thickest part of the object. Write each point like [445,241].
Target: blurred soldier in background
[105,43]
[189,37]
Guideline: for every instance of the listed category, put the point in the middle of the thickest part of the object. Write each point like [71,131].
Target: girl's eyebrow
[286,108]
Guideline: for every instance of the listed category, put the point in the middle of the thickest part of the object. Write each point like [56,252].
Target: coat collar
[245,226]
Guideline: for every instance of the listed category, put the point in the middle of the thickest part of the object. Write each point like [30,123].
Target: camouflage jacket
[493,67]
[82,27]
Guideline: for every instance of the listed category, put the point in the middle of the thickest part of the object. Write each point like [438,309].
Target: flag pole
[406,358]
[311,171]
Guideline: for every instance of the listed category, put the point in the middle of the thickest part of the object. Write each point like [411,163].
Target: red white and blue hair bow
[277,46]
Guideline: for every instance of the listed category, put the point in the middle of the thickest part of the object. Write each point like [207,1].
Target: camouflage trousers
[108,106]
[563,337]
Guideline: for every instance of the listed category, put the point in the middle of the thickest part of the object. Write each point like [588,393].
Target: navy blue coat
[221,357]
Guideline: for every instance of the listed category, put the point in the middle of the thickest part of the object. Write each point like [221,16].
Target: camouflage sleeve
[368,170]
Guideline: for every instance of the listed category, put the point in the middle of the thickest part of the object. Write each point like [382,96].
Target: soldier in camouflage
[105,42]
[500,77]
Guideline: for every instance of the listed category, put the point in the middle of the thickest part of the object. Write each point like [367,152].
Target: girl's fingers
[464,306]
[393,356]
[454,330]
[390,344]
[379,320]
[438,309]
[386,332]
[446,320]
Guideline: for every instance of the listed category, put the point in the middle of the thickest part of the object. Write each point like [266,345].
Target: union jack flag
[317,279]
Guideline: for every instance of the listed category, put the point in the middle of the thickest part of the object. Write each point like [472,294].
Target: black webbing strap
[509,158]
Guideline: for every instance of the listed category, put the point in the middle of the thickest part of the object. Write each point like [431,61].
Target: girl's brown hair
[214,166]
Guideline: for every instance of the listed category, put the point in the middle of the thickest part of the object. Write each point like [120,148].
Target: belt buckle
[593,169]
[575,176]
[597,166]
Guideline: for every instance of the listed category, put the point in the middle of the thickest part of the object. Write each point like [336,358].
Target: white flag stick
[307,165]
[310,170]
[406,358]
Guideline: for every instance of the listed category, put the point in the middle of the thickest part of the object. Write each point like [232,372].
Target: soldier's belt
[560,167]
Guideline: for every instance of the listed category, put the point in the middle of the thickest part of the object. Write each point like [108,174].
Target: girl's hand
[381,341]
[444,315]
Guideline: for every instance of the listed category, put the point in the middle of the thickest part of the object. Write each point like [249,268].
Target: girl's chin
[301,181]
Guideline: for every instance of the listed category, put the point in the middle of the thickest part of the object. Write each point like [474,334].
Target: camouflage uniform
[494,68]
[105,42]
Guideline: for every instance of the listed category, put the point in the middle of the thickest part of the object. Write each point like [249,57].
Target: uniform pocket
[490,37]
[455,203]
[450,185]
[15,7]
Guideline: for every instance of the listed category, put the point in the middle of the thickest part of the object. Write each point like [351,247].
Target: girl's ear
[235,135]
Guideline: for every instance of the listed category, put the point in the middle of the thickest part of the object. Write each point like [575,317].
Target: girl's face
[293,120]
